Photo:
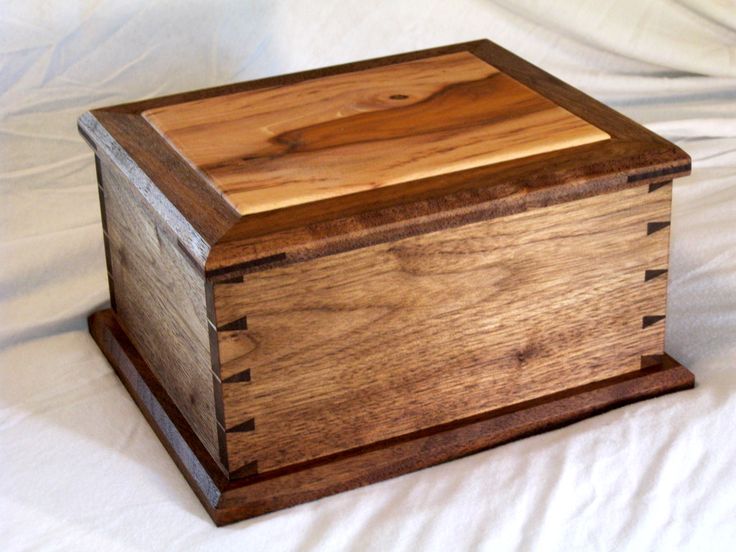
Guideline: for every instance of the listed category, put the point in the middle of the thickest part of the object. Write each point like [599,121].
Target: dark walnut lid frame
[224,243]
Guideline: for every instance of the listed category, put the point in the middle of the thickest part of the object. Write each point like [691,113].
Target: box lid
[294,166]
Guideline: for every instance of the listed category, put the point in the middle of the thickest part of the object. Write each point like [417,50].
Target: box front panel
[340,352]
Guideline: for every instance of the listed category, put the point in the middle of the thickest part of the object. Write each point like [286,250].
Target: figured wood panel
[231,500]
[160,300]
[276,147]
[358,347]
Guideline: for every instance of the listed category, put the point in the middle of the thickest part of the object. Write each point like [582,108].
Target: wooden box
[325,279]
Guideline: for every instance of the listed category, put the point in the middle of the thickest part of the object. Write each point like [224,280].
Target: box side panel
[343,351]
[160,300]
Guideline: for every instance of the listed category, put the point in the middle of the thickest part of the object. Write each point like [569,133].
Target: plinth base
[229,500]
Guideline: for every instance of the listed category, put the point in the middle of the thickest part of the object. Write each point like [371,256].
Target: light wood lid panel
[327,137]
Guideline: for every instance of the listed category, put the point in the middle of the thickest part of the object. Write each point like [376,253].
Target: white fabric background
[80,468]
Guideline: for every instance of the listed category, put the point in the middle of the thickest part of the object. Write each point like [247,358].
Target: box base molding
[228,499]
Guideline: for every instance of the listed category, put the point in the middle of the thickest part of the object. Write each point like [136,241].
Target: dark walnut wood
[632,155]
[325,279]
[234,499]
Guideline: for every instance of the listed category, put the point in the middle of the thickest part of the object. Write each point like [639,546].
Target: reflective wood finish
[325,279]
[331,136]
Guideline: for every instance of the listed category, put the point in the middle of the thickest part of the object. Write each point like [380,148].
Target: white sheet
[81,470]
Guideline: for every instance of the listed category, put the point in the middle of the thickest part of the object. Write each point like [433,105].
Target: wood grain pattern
[227,501]
[329,278]
[273,148]
[220,239]
[160,300]
[363,346]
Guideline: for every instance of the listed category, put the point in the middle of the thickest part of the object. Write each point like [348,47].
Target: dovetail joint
[244,376]
[653,227]
[240,377]
[652,274]
[647,321]
[243,427]
[236,325]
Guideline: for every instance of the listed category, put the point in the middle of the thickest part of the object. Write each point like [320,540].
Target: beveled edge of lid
[224,243]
